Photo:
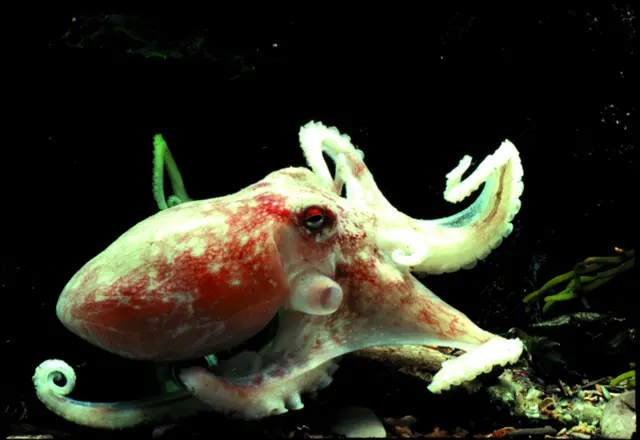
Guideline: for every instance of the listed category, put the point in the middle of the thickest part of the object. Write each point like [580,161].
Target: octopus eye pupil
[314,218]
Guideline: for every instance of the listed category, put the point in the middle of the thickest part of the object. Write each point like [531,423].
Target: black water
[415,91]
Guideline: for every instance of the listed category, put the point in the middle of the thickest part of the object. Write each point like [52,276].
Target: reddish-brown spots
[339,325]
[358,168]
[278,372]
[226,388]
[273,205]
[428,317]
[336,336]
[359,273]
[188,298]
[455,328]
[353,240]
[445,321]
[296,174]
[250,218]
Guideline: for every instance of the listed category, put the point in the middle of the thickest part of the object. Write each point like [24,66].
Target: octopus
[323,252]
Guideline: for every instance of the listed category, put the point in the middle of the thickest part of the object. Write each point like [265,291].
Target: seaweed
[586,276]
[162,158]
[629,378]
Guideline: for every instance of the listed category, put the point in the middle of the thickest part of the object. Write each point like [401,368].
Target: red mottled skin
[171,316]
[205,276]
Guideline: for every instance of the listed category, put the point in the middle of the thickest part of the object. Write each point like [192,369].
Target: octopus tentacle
[407,247]
[496,351]
[301,357]
[459,241]
[114,415]
[315,138]
[444,245]
[274,391]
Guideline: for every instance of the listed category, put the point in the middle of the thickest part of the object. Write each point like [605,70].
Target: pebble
[619,416]
[358,422]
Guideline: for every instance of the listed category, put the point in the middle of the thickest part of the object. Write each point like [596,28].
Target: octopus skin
[327,254]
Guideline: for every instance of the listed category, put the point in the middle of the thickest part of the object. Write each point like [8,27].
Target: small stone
[619,416]
[358,422]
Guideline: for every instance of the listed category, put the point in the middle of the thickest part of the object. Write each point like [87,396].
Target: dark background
[415,91]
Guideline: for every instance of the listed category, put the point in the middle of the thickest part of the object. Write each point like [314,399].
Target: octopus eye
[314,218]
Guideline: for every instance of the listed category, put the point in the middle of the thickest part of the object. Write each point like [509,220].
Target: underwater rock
[358,422]
[523,395]
[619,416]
[406,356]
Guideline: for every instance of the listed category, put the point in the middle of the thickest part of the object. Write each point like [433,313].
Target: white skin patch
[106,277]
[227,241]
[74,284]
[364,254]
[388,273]
[215,267]
[100,297]
[153,285]
[198,245]
[155,250]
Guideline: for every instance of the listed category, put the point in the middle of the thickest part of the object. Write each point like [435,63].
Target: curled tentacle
[315,139]
[407,247]
[460,240]
[447,244]
[115,415]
